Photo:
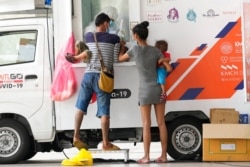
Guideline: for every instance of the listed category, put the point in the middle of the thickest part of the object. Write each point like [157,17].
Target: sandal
[111,147]
[79,145]
[83,158]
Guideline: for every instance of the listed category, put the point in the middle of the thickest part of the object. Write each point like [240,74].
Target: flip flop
[71,162]
[143,161]
[113,147]
[158,160]
[79,145]
[83,158]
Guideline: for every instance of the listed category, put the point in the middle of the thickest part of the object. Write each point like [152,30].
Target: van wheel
[14,141]
[31,154]
[185,139]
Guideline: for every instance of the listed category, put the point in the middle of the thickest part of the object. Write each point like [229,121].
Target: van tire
[185,138]
[32,151]
[15,141]
[31,154]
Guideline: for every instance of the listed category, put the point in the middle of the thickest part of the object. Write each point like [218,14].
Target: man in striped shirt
[109,45]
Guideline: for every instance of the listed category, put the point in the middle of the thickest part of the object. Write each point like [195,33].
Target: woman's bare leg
[146,121]
[159,113]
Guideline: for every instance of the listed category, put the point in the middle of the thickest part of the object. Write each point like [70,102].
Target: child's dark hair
[162,45]
[101,18]
[141,30]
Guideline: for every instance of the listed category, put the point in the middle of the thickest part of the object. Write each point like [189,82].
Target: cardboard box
[226,142]
[224,116]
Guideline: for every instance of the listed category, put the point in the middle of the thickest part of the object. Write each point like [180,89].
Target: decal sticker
[9,81]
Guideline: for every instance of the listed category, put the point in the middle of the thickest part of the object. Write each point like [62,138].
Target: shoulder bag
[106,80]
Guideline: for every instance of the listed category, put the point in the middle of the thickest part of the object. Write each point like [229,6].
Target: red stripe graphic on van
[218,74]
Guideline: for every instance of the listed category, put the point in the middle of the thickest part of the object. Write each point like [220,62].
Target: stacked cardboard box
[224,116]
[226,142]
[225,139]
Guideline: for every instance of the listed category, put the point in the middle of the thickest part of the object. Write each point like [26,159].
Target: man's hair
[101,18]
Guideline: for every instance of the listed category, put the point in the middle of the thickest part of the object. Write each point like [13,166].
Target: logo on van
[173,15]
[191,15]
[8,81]
[226,48]
[210,13]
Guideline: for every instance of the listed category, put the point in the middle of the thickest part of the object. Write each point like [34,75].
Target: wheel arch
[198,114]
[19,119]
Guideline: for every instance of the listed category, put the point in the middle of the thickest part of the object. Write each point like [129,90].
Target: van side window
[17,47]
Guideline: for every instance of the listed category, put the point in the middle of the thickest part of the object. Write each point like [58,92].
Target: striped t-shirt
[109,45]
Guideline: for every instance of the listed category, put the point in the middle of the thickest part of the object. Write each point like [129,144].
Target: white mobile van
[206,48]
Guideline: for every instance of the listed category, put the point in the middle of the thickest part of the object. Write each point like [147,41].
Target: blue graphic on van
[191,15]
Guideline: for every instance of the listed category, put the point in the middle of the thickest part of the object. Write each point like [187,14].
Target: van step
[124,151]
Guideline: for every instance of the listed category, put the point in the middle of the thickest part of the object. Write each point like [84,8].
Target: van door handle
[31,77]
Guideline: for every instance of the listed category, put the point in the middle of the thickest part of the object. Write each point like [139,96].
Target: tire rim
[9,141]
[186,138]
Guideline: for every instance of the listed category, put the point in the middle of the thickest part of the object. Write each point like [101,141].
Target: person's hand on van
[84,56]
[70,58]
